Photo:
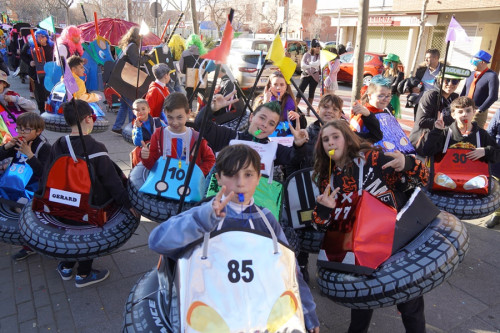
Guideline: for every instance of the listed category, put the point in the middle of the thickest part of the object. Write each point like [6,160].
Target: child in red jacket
[174,141]
[158,90]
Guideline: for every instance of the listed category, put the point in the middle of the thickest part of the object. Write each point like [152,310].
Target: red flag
[220,53]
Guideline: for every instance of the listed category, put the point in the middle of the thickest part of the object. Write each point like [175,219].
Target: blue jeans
[121,116]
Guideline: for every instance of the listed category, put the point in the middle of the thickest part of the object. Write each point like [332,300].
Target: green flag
[48,24]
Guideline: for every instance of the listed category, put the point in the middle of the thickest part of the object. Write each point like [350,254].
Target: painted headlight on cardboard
[476,183]
[443,180]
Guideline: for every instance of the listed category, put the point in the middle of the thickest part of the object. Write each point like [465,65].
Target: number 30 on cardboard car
[453,171]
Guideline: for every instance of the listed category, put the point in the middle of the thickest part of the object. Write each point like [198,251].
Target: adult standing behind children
[238,172]
[330,71]
[190,59]
[129,44]
[158,90]
[481,86]
[108,183]
[28,55]
[310,72]
[69,43]
[391,71]
[427,111]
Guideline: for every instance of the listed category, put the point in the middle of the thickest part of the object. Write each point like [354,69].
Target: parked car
[243,66]
[253,44]
[373,66]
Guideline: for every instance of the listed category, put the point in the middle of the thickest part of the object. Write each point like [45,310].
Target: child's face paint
[264,120]
[243,184]
[332,139]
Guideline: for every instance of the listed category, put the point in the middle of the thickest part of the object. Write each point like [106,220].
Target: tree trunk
[67,16]
[359,49]
[423,18]
[194,16]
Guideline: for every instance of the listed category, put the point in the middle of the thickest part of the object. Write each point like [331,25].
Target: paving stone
[26,311]
[86,307]
[28,326]
[8,323]
[23,293]
[45,316]
[41,298]
[143,258]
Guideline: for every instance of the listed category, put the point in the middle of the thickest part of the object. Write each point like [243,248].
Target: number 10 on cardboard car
[167,177]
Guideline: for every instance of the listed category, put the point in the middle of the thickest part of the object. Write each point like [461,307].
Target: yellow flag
[277,55]
[325,57]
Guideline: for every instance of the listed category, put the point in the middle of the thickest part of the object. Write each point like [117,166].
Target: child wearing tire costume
[108,182]
[330,108]
[462,171]
[177,109]
[336,174]
[238,172]
[28,150]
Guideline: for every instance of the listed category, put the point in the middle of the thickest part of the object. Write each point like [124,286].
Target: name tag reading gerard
[65,197]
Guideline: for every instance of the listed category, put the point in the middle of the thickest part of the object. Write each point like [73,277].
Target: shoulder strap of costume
[39,147]
[70,147]
[447,141]
[360,162]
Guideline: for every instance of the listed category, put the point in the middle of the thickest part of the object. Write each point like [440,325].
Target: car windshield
[346,57]
[254,58]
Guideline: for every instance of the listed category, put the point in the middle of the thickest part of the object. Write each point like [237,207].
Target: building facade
[393,27]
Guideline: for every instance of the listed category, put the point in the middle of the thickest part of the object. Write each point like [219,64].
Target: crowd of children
[340,150]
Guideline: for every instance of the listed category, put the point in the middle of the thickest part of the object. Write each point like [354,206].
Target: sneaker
[66,273]
[22,254]
[94,277]
[117,131]
[493,221]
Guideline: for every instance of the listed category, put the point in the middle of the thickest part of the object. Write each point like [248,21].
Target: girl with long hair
[339,155]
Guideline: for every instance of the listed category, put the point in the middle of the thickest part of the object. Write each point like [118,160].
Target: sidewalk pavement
[33,297]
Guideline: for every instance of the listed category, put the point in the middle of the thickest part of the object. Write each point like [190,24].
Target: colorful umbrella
[113,30]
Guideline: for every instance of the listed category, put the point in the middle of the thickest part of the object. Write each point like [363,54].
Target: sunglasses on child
[453,81]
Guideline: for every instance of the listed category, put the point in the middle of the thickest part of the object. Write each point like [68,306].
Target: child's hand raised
[219,101]
[357,108]
[439,123]
[398,163]
[11,143]
[476,154]
[300,136]
[24,147]
[144,151]
[218,204]
[327,199]
[292,115]
[137,123]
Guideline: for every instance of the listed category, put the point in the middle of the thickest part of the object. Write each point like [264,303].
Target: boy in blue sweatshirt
[238,172]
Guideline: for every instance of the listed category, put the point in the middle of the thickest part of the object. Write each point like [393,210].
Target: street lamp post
[144,30]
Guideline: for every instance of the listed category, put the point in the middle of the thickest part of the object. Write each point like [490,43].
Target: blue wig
[380,80]
[43,32]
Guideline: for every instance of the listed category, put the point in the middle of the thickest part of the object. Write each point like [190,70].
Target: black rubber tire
[467,206]
[47,235]
[146,305]
[9,225]
[244,122]
[127,133]
[56,123]
[310,239]
[419,267]
[157,209]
